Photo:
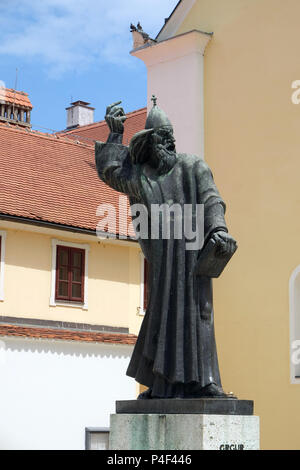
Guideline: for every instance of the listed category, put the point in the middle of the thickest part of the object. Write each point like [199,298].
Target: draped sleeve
[114,166]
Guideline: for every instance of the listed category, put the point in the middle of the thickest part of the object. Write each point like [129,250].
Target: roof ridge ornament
[154,99]
[140,37]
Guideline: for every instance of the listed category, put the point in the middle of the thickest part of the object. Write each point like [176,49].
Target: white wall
[175,76]
[51,390]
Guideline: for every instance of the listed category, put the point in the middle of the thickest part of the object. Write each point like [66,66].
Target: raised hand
[115,118]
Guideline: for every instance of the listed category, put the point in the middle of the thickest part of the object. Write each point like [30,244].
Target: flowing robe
[176,344]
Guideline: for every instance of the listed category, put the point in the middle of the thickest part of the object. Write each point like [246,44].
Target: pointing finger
[109,108]
[115,104]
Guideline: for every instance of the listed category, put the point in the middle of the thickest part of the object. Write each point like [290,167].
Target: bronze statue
[175,354]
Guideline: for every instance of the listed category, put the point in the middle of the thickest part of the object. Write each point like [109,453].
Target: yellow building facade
[252,143]
[113,278]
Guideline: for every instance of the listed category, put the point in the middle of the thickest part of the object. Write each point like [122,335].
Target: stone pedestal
[197,429]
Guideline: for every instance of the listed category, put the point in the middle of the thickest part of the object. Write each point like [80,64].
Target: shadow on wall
[64,348]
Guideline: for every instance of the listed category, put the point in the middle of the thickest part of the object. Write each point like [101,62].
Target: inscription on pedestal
[232,447]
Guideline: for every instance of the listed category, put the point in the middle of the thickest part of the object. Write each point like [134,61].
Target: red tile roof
[53,179]
[67,335]
[19,98]
[134,123]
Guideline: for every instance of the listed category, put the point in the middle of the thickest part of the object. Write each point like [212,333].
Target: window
[144,290]
[2,258]
[69,274]
[96,438]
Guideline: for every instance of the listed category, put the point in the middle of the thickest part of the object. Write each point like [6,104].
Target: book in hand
[211,263]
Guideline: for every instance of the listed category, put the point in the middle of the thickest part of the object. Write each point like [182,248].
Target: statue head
[156,144]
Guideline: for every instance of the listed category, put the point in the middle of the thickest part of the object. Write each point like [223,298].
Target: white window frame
[88,436]
[53,301]
[141,310]
[2,264]
[294,310]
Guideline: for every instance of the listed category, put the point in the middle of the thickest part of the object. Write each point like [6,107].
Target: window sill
[57,303]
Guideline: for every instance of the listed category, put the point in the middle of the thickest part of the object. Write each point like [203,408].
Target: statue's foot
[146,395]
[212,391]
[209,391]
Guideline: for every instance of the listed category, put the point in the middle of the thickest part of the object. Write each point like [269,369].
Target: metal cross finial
[154,99]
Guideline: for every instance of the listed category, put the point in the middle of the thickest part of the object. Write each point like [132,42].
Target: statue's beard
[165,158]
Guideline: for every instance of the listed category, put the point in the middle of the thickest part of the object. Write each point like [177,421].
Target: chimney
[79,114]
[15,107]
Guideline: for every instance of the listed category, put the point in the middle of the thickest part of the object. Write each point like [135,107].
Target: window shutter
[77,274]
[62,273]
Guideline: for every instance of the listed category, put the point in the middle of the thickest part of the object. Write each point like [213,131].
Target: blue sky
[75,49]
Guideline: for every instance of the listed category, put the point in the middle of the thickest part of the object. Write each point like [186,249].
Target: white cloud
[69,34]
